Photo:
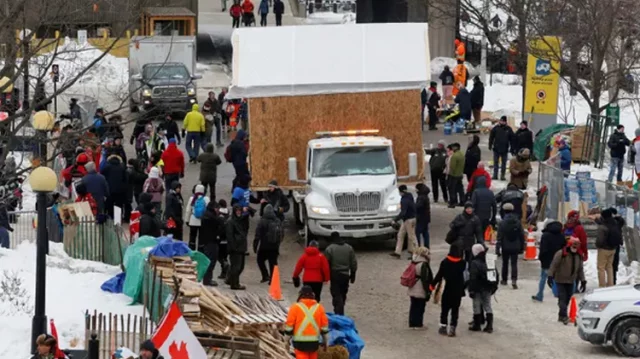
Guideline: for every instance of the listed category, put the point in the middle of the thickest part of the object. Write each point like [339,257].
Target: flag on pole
[54,333]
[174,339]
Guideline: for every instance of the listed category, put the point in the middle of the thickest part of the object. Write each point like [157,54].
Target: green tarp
[542,139]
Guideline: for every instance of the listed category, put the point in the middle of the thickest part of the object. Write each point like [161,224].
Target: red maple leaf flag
[174,339]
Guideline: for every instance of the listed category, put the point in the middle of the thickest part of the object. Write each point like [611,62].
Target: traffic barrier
[531,252]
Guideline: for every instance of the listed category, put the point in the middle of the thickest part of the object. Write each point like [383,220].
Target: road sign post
[613,114]
[55,74]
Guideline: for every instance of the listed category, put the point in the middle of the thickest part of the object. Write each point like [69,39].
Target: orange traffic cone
[274,289]
[531,252]
[573,310]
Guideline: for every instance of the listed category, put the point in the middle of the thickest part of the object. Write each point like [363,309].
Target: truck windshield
[158,72]
[352,161]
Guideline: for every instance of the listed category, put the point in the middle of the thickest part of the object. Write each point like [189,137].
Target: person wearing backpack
[480,289]
[266,243]
[173,211]
[155,186]
[609,238]
[510,243]
[452,272]
[418,277]
[196,207]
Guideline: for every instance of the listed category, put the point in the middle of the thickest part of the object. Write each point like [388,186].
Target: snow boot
[442,330]
[503,178]
[514,285]
[489,327]
[476,327]
[503,282]
[452,332]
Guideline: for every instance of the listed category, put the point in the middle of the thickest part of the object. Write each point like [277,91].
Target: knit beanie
[477,249]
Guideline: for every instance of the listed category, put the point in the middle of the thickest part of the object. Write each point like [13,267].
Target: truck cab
[167,87]
[351,185]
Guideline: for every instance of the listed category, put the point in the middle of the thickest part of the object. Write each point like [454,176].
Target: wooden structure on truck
[328,78]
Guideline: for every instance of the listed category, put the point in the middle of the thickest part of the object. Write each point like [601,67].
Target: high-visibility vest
[461,52]
[308,330]
[459,78]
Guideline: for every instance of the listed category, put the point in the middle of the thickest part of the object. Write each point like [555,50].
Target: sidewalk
[211,16]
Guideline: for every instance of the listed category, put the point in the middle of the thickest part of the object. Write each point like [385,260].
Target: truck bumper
[352,227]
[169,104]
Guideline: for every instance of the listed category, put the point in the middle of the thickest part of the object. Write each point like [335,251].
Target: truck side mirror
[413,164]
[136,77]
[293,169]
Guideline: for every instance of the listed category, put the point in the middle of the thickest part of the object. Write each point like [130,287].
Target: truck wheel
[626,337]
[296,213]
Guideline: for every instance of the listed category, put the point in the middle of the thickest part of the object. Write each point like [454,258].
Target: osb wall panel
[280,127]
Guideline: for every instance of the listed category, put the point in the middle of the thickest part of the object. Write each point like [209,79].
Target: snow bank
[328,17]
[626,274]
[438,64]
[73,286]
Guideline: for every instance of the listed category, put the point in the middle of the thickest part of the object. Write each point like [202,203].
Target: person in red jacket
[247,13]
[316,269]
[85,196]
[235,11]
[76,170]
[573,228]
[479,171]
[173,160]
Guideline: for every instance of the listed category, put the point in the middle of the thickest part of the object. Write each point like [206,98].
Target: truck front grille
[348,202]
[169,91]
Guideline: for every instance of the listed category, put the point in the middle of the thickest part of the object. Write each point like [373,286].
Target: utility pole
[484,42]
[25,60]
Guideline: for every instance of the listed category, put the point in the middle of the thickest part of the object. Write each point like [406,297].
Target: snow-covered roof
[326,59]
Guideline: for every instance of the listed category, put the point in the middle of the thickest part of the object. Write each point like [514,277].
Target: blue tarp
[115,284]
[168,247]
[342,331]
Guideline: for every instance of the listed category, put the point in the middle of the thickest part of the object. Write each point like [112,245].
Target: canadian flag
[174,339]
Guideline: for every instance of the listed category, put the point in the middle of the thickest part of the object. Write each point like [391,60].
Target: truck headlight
[191,91]
[146,92]
[320,210]
[392,208]
[595,306]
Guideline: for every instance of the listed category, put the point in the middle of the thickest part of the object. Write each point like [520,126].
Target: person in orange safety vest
[461,51]
[306,323]
[460,74]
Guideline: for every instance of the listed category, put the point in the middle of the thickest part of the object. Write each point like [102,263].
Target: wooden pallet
[247,348]
[255,321]
[224,354]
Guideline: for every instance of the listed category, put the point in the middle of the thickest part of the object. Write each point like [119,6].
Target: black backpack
[274,232]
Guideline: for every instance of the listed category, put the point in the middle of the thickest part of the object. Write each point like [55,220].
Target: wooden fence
[115,331]
[88,240]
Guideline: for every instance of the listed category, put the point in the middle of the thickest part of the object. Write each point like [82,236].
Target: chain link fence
[24,225]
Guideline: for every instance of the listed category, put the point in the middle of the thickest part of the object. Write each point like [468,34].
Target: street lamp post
[42,180]
[43,122]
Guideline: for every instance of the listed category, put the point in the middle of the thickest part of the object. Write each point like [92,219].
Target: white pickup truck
[351,185]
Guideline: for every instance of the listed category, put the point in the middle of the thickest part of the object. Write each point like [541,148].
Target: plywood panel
[280,127]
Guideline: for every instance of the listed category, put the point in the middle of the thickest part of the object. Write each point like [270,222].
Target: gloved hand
[583,286]
[296,281]
[352,278]
[498,252]
[550,282]
[184,133]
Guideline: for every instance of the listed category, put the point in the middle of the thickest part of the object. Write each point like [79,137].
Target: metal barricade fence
[551,175]
[24,227]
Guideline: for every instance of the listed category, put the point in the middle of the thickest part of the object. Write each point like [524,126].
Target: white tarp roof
[325,59]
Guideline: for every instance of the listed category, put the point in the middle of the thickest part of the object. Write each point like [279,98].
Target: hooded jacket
[423,206]
[315,266]
[264,7]
[467,229]
[463,99]
[472,156]
[520,169]
[188,213]
[209,162]
[452,271]
[98,187]
[478,281]
[407,207]
[573,228]
[172,129]
[149,225]
[278,200]
[438,159]
[446,76]
[523,138]
[239,149]
[618,143]
[154,185]
[278,7]
[212,225]
[565,157]
[260,241]
[194,121]
[477,95]
[116,175]
[173,160]
[425,277]
[566,267]
[174,205]
[136,178]
[552,241]
[609,234]
[477,173]
[341,257]
[500,139]
[236,232]
[484,202]
[510,235]
[511,195]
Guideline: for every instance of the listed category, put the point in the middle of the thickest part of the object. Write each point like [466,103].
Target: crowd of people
[244,10]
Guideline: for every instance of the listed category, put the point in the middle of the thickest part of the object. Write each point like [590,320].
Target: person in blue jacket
[264,11]
[565,156]
[242,195]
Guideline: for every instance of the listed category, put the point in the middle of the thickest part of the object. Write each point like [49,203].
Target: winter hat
[477,249]
[148,345]
[573,240]
[82,159]
[613,210]
[199,188]
[273,183]
[46,339]
[421,252]
[606,214]
[402,188]
[468,204]
[90,166]
[503,119]
[172,140]
[573,214]
[619,127]
[507,207]
[455,251]
[154,172]
[525,152]
[480,164]
[335,236]
[433,84]
[524,123]
[314,244]
[306,292]
[176,184]
[443,143]
[145,198]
